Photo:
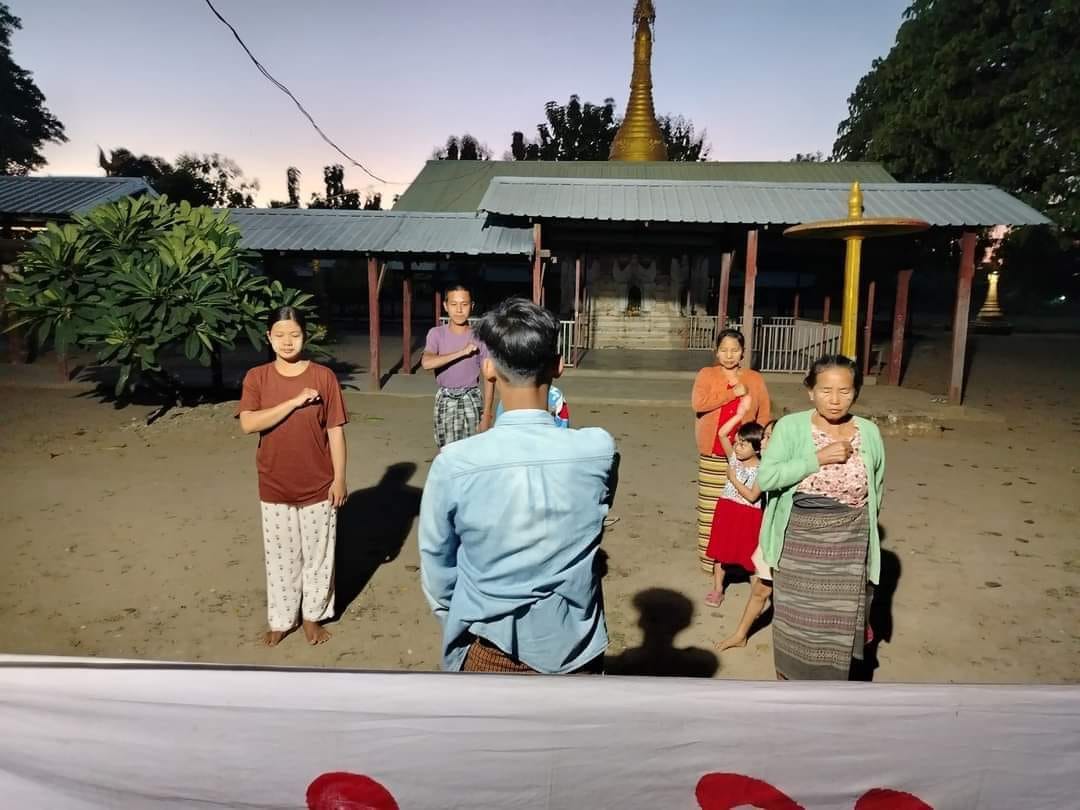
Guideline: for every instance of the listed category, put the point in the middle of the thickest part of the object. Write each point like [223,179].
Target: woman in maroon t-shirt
[297,409]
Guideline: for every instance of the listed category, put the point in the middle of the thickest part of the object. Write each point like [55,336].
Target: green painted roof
[459,185]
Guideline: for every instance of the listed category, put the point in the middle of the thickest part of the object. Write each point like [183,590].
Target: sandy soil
[126,541]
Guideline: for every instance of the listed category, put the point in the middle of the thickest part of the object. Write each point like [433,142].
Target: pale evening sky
[390,79]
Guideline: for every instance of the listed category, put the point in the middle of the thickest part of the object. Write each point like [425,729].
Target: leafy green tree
[571,131]
[976,91]
[683,144]
[464,148]
[57,291]
[211,180]
[141,281]
[584,131]
[337,196]
[810,157]
[292,186]
[26,124]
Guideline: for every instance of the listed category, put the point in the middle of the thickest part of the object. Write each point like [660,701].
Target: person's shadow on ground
[663,615]
[371,529]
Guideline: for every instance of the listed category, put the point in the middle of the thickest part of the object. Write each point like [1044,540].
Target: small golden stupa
[639,137]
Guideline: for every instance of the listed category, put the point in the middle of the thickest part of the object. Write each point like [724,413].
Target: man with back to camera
[511,519]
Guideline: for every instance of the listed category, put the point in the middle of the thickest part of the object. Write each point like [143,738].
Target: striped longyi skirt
[820,593]
[457,414]
[712,475]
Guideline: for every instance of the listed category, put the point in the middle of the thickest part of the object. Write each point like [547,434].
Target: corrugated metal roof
[385,232]
[751,203]
[459,185]
[64,196]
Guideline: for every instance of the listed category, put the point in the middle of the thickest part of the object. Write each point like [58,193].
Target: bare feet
[714,599]
[315,633]
[731,642]
[271,638]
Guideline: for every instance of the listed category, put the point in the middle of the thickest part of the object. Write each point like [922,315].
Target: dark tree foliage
[202,180]
[464,148]
[26,124]
[584,131]
[975,91]
[337,196]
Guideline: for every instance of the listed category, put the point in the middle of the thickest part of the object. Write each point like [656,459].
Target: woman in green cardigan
[824,471]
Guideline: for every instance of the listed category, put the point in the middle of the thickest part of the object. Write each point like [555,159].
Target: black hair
[522,339]
[752,432]
[731,333]
[457,285]
[279,314]
[828,361]
[767,425]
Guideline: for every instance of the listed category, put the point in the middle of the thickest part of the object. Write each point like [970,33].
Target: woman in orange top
[715,398]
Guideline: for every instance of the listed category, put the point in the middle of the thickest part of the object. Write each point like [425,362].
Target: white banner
[82,734]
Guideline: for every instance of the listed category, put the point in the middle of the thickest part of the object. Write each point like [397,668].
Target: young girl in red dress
[737,519]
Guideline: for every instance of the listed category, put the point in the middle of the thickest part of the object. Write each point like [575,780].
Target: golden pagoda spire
[639,136]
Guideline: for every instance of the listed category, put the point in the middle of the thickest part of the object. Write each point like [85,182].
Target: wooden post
[749,286]
[960,319]
[725,287]
[575,333]
[318,277]
[896,357]
[438,305]
[373,322]
[795,308]
[406,318]
[537,282]
[16,350]
[868,337]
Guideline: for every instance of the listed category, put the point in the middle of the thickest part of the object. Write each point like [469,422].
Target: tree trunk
[162,384]
[217,371]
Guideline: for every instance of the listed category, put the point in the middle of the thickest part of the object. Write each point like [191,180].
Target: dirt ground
[132,542]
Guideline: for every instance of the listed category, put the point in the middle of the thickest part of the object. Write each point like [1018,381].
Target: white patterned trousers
[299,544]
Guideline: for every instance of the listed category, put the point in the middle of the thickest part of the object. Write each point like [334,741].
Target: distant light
[1061,298]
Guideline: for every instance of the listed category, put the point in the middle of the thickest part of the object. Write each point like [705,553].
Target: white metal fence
[703,329]
[783,344]
[567,343]
[792,347]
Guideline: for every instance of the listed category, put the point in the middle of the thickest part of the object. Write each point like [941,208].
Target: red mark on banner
[726,791]
[348,791]
[880,799]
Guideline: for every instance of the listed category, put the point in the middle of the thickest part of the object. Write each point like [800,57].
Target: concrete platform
[895,409]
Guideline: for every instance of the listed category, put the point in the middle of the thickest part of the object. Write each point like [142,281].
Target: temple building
[635,253]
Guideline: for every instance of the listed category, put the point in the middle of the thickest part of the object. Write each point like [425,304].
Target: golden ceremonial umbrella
[853,230]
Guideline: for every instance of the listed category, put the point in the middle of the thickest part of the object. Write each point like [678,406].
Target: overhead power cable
[296,101]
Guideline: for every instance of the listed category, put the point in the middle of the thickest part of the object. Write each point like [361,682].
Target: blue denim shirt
[510,523]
